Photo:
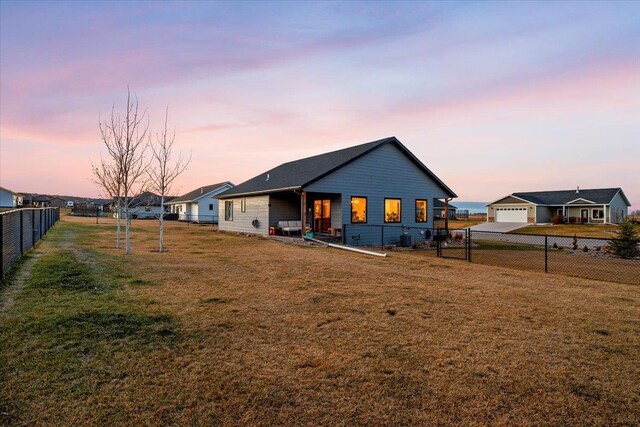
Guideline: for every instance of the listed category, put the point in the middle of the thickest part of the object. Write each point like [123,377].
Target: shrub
[627,243]
[575,242]
[585,249]
[555,246]
[558,219]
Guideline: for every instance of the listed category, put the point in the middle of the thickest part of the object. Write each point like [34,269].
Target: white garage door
[511,214]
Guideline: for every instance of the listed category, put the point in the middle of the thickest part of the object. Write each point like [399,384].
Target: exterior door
[321,215]
[584,215]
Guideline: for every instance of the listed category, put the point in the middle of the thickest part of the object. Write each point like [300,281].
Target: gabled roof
[439,204]
[303,172]
[148,198]
[199,192]
[9,191]
[562,197]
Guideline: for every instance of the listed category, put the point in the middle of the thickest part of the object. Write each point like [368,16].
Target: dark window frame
[426,210]
[384,211]
[366,209]
[228,214]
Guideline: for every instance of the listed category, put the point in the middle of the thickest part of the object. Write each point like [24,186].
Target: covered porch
[582,214]
[320,213]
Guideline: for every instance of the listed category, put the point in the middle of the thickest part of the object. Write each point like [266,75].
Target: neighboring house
[438,209]
[600,206]
[9,199]
[199,205]
[33,200]
[147,205]
[57,202]
[380,183]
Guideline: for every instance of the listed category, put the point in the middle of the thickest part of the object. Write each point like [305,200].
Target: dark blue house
[378,190]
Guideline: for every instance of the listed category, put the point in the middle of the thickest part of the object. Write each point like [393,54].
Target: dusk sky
[492,97]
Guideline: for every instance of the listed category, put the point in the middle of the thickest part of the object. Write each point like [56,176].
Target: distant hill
[472,207]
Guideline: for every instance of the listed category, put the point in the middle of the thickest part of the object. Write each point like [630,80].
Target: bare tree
[107,174]
[132,159]
[126,139]
[107,177]
[165,169]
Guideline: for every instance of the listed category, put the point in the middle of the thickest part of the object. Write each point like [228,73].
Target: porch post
[446,213]
[303,216]
[604,212]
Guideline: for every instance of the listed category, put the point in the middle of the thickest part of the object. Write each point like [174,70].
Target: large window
[392,210]
[358,209]
[228,210]
[421,210]
[597,214]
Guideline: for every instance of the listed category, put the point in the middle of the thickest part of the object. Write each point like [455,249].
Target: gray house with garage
[579,206]
[353,193]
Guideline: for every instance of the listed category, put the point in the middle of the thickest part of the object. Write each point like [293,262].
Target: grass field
[581,230]
[232,330]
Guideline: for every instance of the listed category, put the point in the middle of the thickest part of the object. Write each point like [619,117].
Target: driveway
[498,227]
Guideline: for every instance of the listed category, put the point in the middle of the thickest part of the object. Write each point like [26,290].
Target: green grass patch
[62,270]
[505,246]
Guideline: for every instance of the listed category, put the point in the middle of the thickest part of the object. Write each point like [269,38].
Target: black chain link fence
[580,256]
[20,230]
[584,257]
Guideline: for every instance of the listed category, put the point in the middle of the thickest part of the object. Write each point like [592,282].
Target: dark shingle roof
[299,173]
[437,203]
[148,198]
[596,195]
[194,194]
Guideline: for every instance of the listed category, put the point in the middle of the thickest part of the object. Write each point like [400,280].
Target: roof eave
[511,195]
[402,148]
[257,193]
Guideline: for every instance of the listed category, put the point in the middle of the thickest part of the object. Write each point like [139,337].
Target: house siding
[257,208]
[383,173]
[7,199]
[618,209]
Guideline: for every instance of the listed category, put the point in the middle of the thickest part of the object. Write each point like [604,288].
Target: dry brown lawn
[248,331]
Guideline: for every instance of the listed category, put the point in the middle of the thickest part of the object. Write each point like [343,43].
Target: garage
[511,214]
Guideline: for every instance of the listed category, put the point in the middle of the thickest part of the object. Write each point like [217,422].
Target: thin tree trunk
[127,228]
[161,223]
[119,220]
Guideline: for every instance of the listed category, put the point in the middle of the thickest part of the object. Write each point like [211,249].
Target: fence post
[469,244]
[21,232]
[40,223]
[546,253]
[1,247]
[33,228]
[344,234]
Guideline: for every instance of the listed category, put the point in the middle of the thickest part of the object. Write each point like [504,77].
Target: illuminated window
[392,210]
[421,211]
[228,211]
[243,205]
[358,209]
